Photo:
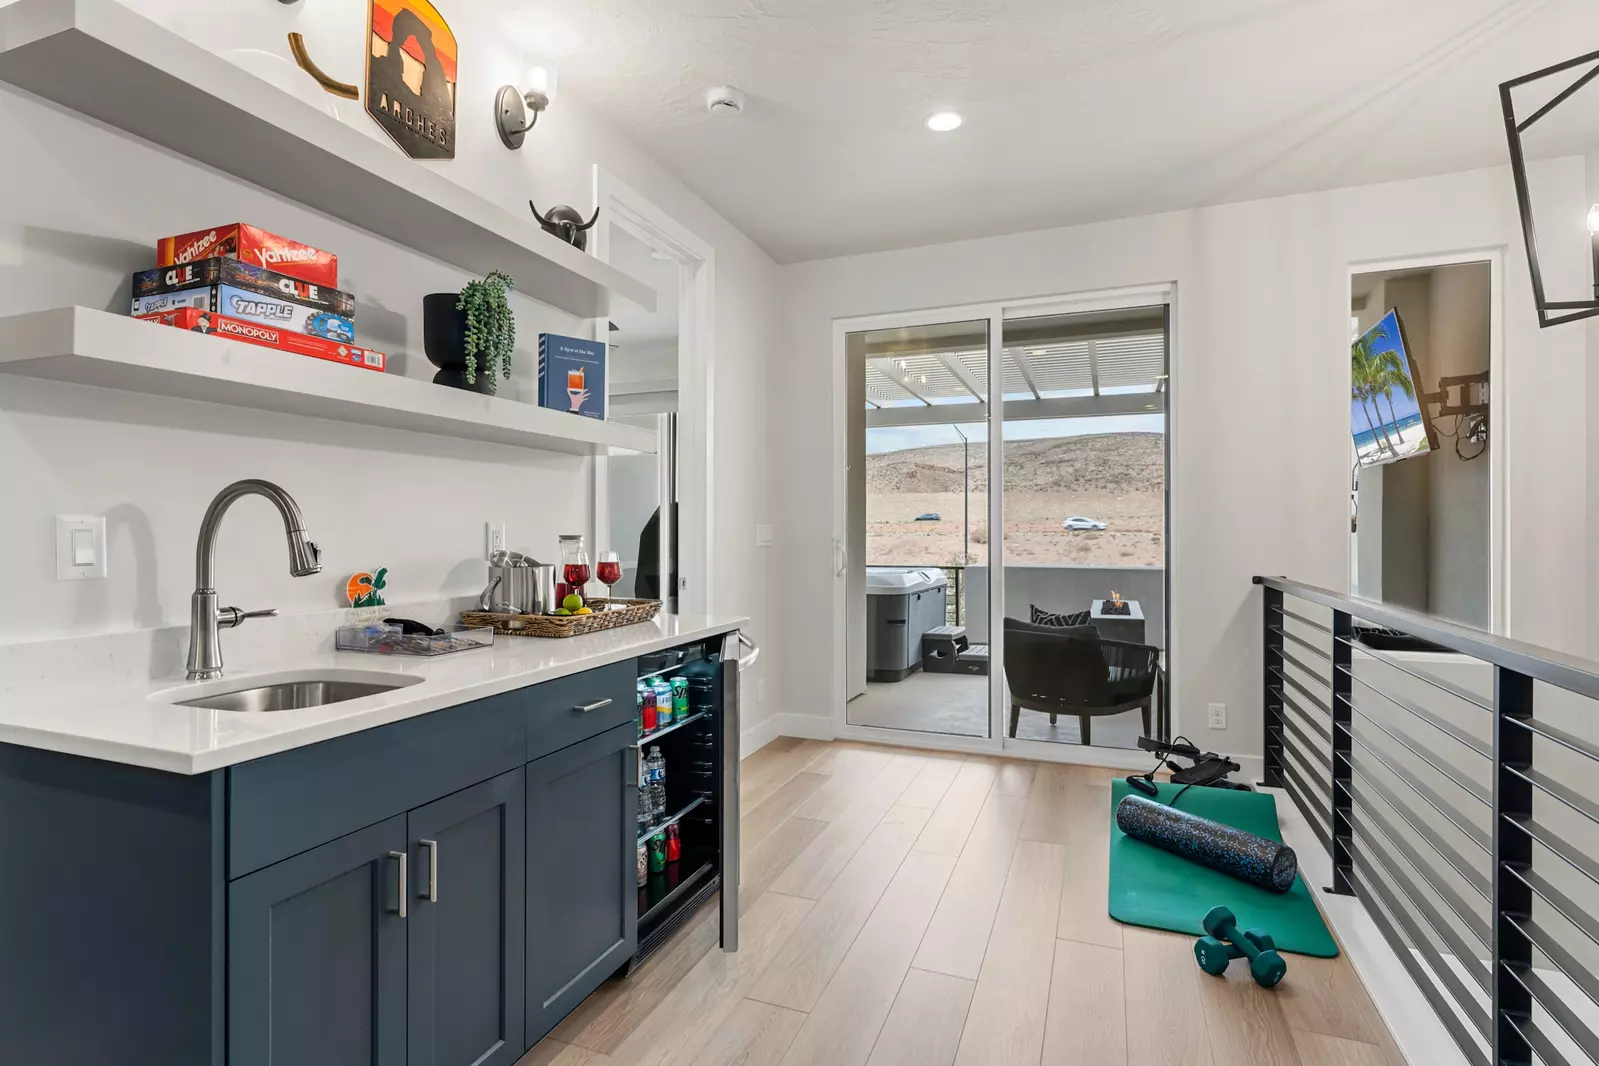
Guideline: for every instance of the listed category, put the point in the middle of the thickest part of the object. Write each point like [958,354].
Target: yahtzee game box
[239,240]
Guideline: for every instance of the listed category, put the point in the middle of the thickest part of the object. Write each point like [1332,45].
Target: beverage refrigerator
[687,828]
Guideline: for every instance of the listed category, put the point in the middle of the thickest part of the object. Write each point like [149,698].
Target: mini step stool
[945,650]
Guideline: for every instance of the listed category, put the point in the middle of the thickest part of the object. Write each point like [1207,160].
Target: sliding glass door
[1084,552]
[1066,647]
[916,505]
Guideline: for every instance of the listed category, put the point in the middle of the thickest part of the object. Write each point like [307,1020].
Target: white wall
[1461,506]
[86,211]
[1260,449]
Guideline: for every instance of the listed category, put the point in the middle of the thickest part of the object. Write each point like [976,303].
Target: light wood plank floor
[909,907]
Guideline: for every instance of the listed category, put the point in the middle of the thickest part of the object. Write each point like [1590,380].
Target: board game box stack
[241,282]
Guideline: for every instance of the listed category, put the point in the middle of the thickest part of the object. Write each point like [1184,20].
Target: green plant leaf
[490,326]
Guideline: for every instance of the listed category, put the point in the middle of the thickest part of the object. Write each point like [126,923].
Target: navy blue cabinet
[465,930]
[317,956]
[440,891]
[582,876]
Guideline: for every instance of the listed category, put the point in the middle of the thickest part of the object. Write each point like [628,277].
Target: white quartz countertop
[139,723]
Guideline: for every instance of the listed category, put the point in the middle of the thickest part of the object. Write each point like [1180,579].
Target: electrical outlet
[496,537]
[1218,716]
[764,536]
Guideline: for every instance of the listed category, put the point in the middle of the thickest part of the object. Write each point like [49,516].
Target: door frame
[995,312]
[1498,411]
[623,207]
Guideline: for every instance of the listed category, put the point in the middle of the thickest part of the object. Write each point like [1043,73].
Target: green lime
[562,610]
[572,602]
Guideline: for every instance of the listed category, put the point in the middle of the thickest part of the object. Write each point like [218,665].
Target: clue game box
[218,270]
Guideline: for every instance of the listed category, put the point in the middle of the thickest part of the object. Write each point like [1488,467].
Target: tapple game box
[199,320]
[238,240]
[251,306]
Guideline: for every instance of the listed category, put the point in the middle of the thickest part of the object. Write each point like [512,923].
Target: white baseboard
[758,736]
[768,729]
[1421,1037]
[804,726]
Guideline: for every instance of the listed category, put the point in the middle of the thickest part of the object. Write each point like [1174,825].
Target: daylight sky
[898,438]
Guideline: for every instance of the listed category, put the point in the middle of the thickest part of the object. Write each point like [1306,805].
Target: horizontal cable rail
[1302,642]
[1457,862]
[1437,721]
[1305,716]
[1490,910]
[1430,757]
[1570,672]
[1465,695]
[1421,902]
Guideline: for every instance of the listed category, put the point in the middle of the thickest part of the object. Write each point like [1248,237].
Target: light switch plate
[764,536]
[80,547]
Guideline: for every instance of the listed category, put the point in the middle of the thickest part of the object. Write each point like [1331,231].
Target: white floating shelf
[103,60]
[91,347]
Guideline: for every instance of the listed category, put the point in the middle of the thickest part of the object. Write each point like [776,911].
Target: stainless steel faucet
[205,619]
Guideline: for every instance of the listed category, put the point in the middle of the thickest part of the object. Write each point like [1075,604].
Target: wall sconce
[1550,312]
[513,107]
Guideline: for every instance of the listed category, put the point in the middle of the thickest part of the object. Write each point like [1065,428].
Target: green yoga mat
[1155,888]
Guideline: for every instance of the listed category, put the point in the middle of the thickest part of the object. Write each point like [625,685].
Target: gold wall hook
[303,58]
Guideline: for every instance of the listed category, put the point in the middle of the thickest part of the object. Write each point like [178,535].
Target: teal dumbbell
[1223,943]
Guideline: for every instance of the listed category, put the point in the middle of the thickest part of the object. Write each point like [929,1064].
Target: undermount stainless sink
[295,695]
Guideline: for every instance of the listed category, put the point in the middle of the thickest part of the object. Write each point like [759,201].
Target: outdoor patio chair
[1072,670]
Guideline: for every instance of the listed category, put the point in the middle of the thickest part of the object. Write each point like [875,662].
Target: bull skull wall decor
[567,224]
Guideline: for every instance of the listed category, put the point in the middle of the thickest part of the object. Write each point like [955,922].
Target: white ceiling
[1076,110]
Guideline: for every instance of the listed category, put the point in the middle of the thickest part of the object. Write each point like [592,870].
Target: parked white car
[1080,523]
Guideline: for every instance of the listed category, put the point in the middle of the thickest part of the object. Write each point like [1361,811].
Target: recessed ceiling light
[943,122]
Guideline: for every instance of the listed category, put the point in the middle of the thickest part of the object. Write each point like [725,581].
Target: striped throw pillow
[1049,618]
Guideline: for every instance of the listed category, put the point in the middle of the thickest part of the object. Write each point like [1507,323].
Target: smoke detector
[724,101]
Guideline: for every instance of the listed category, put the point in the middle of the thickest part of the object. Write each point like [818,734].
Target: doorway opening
[1424,503]
[655,511]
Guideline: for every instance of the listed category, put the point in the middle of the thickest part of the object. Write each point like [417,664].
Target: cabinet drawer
[284,804]
[555,715]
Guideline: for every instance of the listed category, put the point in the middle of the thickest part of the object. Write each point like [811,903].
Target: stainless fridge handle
[747,661]
[402,893]
[433,870]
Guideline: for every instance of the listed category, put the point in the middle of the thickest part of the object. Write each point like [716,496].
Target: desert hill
[1102,464]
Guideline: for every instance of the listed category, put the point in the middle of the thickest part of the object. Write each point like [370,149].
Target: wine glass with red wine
[608,570]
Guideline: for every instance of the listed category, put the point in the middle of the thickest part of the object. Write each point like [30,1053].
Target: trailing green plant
[490,327]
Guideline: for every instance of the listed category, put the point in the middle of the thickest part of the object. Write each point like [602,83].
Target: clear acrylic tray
[381,638]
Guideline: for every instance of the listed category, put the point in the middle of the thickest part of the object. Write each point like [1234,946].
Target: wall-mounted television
[1386,413]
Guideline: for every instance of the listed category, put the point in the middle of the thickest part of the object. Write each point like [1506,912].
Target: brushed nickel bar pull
[402,893]
[433,869]
[585,708]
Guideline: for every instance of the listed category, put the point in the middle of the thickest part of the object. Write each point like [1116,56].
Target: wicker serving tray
[563,625]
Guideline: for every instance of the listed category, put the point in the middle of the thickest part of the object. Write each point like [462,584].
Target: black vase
[444,341]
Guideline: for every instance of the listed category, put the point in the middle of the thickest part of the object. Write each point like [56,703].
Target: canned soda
[657,853]
[674,843]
